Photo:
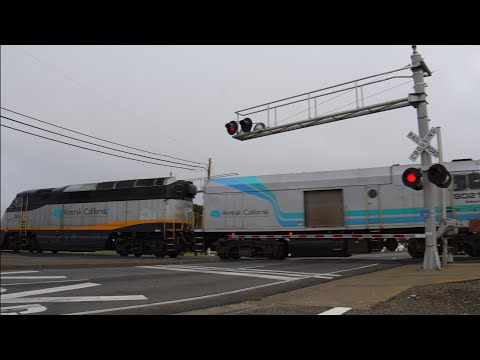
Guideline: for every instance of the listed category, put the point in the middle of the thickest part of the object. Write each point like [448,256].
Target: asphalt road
[168,288]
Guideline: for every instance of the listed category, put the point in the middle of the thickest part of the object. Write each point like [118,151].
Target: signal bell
[439,175]
[232,127]
[412,178]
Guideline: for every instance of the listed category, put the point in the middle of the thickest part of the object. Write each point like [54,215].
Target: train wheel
[281,253]
[122,253]
[159,254]
[391,244]
[137,254]
[39,250]
[472,252]
[173,254]
[54,251]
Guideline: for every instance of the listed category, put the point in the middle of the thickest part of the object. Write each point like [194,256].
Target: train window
[460,182]
[474,180]
[159,181]
[18,201]
[145,182]
[124,184]
[105,185]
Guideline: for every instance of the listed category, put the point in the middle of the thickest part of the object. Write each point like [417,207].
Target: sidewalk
[357,292]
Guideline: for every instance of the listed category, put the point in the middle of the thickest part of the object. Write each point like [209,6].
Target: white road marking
[231,273]
[44,282]
[28,309]
[17,272]
[360,267]
[246,270]
[336,311]
[305,274]
[177,301]
[46,291]
[73,299]
[31,277]
[21,297]
[260,273]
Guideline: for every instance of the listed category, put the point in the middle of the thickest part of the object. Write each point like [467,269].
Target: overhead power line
[106,147]
[97,138]
[83,86]
[102,152]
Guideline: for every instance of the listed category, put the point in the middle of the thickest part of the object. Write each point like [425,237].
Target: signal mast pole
[431,260]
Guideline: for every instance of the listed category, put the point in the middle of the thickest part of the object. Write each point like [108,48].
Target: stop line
[248,272]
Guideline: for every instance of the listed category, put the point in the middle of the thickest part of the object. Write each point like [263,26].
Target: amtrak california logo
[57,213]
[215,213]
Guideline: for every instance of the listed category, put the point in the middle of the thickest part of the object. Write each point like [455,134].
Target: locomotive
[140,216]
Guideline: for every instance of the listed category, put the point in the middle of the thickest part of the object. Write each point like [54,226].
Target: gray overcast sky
[175,100]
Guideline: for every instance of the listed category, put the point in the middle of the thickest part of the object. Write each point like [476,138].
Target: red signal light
[232,127]
[411,178]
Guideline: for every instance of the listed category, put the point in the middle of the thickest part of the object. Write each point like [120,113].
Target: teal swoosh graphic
[253,181]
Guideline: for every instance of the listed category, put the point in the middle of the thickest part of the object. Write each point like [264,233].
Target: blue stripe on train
[403,219]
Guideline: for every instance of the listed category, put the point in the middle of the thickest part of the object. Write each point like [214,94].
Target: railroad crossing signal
[423,144]
[245,126]
[437,174]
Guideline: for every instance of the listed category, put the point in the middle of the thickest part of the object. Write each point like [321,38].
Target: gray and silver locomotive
[142,216]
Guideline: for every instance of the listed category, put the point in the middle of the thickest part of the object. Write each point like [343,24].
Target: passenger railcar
[326,213]
[142,216]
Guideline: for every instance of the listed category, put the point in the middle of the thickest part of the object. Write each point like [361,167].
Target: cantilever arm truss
[371,109]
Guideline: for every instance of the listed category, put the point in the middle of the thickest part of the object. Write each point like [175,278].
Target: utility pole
[209,174]
[431,260]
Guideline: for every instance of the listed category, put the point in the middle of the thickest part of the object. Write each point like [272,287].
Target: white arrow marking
[46,291]
[29,309]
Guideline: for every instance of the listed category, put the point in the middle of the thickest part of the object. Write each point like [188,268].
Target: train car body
[143,216]
[256,213]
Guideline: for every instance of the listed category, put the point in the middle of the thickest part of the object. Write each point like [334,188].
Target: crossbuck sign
[423,144]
